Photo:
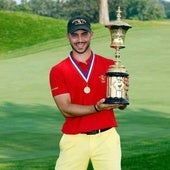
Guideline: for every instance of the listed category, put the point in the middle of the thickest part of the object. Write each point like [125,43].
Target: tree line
[64,9]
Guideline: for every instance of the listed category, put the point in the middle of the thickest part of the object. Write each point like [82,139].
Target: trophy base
[116,100]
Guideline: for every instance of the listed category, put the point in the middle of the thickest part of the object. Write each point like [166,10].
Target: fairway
[30,122]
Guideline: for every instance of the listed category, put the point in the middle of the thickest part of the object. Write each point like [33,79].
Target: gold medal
[87,90]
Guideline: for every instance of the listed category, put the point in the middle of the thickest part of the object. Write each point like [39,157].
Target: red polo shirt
[66,77]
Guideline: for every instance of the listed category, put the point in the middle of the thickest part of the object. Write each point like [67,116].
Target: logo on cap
[79,21]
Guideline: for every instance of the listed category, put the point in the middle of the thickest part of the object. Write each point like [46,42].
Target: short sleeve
[57,82]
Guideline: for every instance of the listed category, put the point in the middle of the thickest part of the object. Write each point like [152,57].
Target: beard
[80,51]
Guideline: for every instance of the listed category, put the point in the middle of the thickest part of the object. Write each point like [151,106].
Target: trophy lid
[118,22]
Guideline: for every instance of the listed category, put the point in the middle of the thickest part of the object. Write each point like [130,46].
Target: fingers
[126,83]
[102,106]
[101,101]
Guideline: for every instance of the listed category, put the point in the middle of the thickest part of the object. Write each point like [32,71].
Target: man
[78,85]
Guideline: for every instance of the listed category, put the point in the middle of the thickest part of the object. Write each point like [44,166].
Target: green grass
[30,123]
[18,30]
[30,33]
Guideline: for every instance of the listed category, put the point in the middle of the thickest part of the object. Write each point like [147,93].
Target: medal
[83,75]
[87,90]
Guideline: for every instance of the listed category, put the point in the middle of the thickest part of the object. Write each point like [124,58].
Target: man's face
[80,41]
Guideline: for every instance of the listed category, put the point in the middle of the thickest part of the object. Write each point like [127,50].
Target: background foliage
[131,9]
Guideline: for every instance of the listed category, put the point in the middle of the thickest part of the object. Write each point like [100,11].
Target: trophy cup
[116,94]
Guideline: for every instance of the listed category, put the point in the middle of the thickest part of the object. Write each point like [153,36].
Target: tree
[113,6]
[104,13]
[24,6]
[7,5]
[145,10]
[96,10]
[40,7]
[166,5]
[155,9]
[88,8]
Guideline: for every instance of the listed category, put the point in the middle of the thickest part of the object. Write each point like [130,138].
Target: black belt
[93,132]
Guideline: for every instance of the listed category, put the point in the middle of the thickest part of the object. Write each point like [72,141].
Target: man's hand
[126,83]
[100,105]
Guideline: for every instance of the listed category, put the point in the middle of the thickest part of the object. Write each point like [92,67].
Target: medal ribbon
[85,76]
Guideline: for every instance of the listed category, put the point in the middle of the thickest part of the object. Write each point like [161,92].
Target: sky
[18,1]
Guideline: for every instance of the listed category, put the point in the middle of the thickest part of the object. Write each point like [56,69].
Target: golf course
[30,123]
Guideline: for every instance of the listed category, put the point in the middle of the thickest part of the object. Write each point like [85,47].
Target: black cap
[78,23]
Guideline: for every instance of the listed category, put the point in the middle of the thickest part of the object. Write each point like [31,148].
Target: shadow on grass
[30,135]
[145,139]
[28,131]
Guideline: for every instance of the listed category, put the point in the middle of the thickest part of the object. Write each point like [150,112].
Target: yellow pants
[103,149]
